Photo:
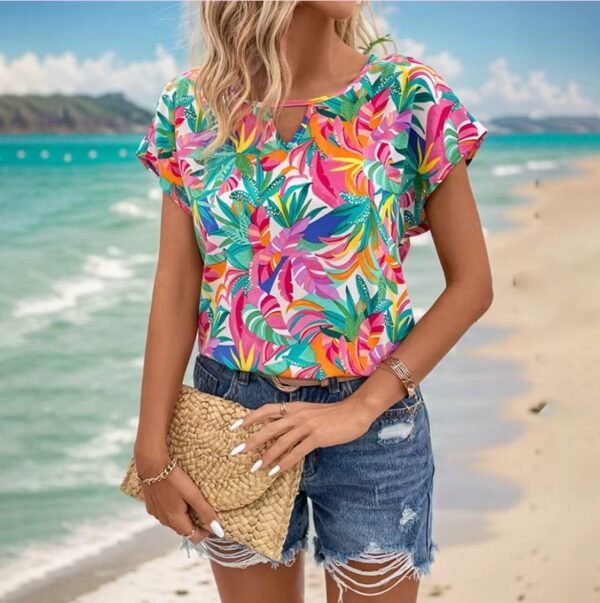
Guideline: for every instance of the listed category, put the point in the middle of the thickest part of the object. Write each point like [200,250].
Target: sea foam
[86,540]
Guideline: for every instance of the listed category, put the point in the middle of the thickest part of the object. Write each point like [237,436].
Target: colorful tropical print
[303,241]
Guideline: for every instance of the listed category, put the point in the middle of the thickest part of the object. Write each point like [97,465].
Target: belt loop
[243,377]
[334,385]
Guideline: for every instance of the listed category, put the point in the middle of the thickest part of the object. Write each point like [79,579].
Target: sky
[501,58]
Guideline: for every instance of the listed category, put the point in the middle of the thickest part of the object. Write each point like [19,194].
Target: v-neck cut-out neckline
[311,105]
[297,135]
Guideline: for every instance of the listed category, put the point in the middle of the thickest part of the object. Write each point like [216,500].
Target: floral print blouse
[303,241]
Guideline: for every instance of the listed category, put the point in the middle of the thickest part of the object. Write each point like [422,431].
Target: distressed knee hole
[234,554]
[393,567]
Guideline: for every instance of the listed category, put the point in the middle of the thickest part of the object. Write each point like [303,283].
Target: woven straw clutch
[255,509]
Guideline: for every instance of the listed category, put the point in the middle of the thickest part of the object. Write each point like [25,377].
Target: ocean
[79,220]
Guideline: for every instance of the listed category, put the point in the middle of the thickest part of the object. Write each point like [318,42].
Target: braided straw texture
[255,509]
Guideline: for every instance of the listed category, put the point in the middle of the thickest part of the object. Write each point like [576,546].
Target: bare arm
[458,238]
[172,329]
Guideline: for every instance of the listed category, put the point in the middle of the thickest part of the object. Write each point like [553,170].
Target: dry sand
[545,548]
[547,286]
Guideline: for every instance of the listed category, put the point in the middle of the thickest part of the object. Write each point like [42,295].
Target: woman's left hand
[305,426]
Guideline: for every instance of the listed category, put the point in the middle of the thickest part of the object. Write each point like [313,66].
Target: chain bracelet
[398,368]
[162,475]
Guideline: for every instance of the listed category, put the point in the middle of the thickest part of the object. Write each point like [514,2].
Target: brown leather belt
[293,383]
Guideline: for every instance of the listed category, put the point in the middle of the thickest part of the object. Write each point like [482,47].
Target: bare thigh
[403,591]
[261,583]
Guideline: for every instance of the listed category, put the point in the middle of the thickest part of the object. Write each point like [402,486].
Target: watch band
[396,366]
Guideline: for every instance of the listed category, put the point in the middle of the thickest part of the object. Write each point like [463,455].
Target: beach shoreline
[113,561]
[150,567]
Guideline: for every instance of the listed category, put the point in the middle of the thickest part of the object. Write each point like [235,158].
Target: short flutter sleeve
[441,132]
[158,150]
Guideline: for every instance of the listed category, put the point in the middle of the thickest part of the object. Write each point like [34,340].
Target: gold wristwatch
[396,366]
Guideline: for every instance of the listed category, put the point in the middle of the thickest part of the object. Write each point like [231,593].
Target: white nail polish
[256,466]
[237,449]
[236,424]
[274,470]
[215,526]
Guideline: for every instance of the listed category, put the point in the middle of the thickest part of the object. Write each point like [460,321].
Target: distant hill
[71,114]
[114,114]
[514,124]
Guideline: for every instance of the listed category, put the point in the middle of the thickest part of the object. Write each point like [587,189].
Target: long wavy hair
[235,44]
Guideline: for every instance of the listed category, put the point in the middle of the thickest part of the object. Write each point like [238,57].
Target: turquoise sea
[79,225]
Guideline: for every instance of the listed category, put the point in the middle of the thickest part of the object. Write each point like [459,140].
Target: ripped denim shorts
[371,498]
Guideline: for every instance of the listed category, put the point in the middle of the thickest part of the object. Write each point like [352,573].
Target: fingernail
[237,449]
[256,466]
[236,424]
[215,526]
[274,470]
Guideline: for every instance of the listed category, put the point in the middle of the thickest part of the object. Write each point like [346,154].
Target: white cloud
[66,73]
[534,94]
[504,92]
[445,62]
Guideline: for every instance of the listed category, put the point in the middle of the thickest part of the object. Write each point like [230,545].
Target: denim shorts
[371,498]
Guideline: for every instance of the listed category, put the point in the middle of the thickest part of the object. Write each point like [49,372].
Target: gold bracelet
[396,366]
[162,475]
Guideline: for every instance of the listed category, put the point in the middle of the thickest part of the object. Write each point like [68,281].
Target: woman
[282,240]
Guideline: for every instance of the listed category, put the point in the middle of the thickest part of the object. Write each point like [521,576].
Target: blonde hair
[237,43]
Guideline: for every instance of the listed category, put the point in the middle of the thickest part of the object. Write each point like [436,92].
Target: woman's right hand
[169,500]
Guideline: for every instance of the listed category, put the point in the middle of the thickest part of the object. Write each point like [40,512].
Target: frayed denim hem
[234,554]
[396,561]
